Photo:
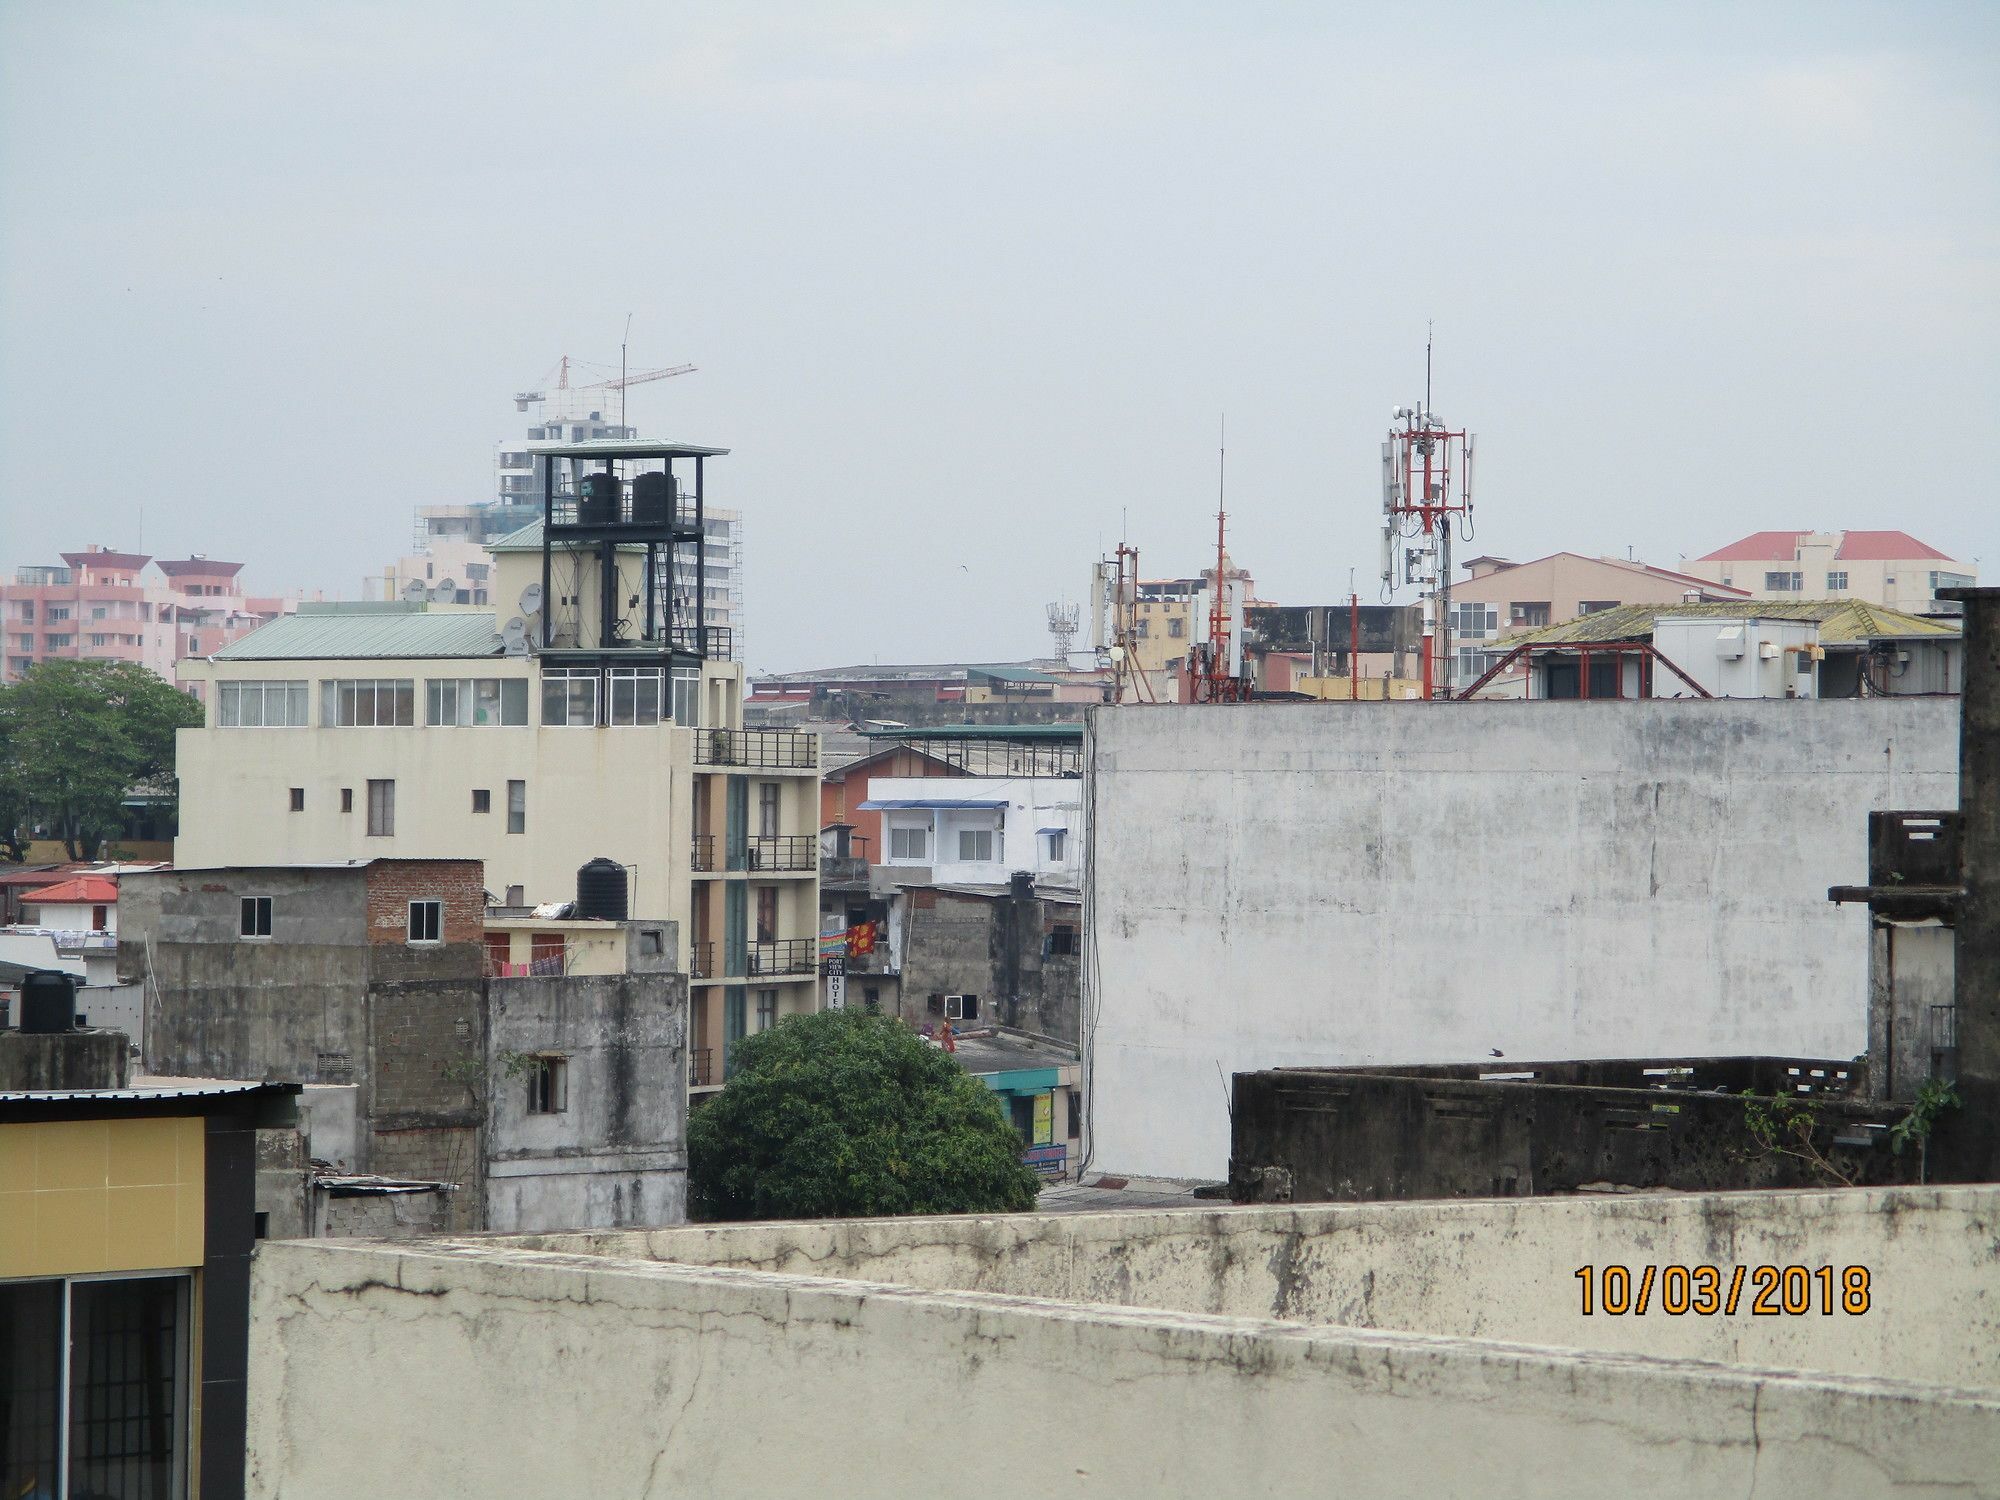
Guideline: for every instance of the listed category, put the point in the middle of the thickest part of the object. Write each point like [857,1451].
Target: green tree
[844,1114]
[75,738]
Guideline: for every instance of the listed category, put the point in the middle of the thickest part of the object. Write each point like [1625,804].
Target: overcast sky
[970,286]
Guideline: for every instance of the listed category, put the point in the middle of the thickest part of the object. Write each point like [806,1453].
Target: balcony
[701,961]
[764,749]
[782,851]
[717,643]
[843,870]
[701,1068]
[702,859]
[784,957]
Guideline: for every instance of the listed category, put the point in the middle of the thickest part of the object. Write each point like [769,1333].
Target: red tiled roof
[1855,546]
[85,890]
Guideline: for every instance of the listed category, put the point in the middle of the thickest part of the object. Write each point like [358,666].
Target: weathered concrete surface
[1494,1268]
[65,1060]
[1288,885]
[483,1370]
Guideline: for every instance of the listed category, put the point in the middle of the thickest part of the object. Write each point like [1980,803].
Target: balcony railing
[776,749]
[701,960]
[717,643]
[703,858]
[842,870]
[783,851]
[786,956]
[701,1067]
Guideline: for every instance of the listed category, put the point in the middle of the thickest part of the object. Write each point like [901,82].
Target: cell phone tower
[1064,621]
[1420,513]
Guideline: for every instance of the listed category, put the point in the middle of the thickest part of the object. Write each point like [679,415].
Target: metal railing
[701,960]
[702,860]
[717,643]
[778,749]
[701,1067]
[843,869]
[786,956]
[782,851]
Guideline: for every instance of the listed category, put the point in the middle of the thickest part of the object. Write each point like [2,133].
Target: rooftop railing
[769,749]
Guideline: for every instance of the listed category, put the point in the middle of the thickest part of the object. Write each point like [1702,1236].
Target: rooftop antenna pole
[1429,326]
[622,390]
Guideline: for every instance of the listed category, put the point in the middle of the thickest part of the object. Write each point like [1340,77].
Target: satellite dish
[447,586]
[514,637]
[531,599]
[415,591]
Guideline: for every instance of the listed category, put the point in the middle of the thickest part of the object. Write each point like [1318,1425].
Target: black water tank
[599,503]
[652,500]
[600,891]
[48,1002]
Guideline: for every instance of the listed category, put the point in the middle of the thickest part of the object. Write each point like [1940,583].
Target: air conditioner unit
[1768,650]
[961,1007]
[1729,643]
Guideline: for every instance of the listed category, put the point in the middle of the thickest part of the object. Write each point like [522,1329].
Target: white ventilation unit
[1729,643]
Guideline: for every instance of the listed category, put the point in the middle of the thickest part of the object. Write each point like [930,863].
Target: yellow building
[586,727]
[127,1220]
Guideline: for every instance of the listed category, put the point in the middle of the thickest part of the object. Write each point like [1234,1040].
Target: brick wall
[394,883]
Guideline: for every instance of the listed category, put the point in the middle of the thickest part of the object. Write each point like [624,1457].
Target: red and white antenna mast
[1420,512]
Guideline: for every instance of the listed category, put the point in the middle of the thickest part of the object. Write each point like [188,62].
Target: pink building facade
[104,605]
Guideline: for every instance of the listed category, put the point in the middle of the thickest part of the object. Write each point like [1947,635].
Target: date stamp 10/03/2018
[1709,1291]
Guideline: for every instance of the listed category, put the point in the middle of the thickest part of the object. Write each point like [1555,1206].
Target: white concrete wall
[1284,884]
[1032,804]
[468,1369]
[1485,1268]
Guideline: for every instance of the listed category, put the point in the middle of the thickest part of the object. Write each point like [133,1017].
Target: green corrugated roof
[338,636]
[1840,621]
[527,539]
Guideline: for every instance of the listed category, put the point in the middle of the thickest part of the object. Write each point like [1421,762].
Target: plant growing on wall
[1786,1125]
[843,1114]
[1933,1099]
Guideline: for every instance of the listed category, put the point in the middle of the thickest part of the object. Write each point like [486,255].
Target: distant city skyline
[969,289]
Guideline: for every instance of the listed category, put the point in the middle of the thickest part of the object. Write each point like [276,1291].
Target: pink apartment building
[104,605]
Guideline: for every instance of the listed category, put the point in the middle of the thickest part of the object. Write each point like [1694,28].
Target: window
[767,1009]
[125,1404]
[1528,614]
[482,800]
[635,696]
[1057,840]
[57,642]
[1474,663]
[1177,627]
[1062,938]
[975,845]
[298,799]
[475,701]
[1475,621]
[767,914]
[1784,583]
[364,702]
[381,809]
[347,799]
[1142,629]
[1948,581]
[687,696]
[569,699]
[961,1007]
[548,953]
[426,921]
[517,807]
[548,1085]
[1595,606]
[910,844]
[1075,1115]
[1836,581]
[255,920]
[56,612]
[767,809]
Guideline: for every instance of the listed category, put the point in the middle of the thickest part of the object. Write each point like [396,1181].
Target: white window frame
[629,691]
[254,913]
[975,831]
[382,811]
[571,679]
[341,701]
[1056,846]
[426,922]
[517,807]
[476,702]
[925,832]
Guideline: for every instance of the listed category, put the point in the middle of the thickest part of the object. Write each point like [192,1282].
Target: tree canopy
[845,1114]
[75,738]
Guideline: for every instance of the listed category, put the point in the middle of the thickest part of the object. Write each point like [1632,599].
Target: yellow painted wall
[1336,689]
[79,1196]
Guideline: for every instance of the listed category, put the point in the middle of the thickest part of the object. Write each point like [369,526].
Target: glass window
[687,696]
[476,701]
[128,1397]
[426,921]
[569,699]
[366,702]
[1528,614]
[1058,846]
[381,809]
[910,843]
[767,1009]
[482,800]
[256,917]
[1836,581]
[517,807]
[975,845]
[767,809]
[1595,606]
[1470,622]
[548,1085]
[635,695]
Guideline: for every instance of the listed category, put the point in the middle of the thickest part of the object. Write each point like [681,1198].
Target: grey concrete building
[545,1100]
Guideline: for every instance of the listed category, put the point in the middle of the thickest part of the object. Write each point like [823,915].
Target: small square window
[298,799]
[482,800]
[256,917]
[426,921]
[548,1085]
[1062,939]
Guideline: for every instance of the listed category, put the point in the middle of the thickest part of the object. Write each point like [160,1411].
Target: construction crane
[565,402]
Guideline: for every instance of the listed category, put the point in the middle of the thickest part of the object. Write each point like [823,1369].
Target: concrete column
[1971,1139]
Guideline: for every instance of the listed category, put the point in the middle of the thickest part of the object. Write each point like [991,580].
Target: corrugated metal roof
[1840,621]
[133,1096]
[347,637]
[529,539]
[1000,732]
[621,448]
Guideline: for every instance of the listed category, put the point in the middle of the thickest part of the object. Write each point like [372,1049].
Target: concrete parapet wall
[1492,1268]
[480,1369]
[1284,885]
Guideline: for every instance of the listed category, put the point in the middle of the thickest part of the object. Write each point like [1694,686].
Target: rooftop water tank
[48,1002]
[601,891]
[652,500]
[598,505]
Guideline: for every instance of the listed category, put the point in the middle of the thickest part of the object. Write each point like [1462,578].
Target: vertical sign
[836,984]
